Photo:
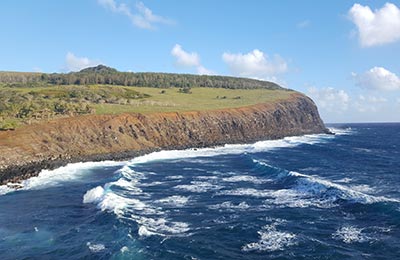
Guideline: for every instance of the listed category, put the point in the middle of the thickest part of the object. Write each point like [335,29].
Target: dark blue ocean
[308,197]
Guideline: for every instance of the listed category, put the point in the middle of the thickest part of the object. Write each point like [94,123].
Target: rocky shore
[26,151]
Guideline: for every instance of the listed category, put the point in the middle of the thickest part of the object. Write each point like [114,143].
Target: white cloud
[377,78]
[337,105]
[74,63]
[254,64]
[203,71]
[303,24]
[143,17]
[330,99]
[376,27]
[369,104]
[186,59]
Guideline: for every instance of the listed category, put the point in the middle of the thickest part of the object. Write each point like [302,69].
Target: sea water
[307,197]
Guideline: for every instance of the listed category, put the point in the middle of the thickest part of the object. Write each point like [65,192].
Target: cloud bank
[337,105]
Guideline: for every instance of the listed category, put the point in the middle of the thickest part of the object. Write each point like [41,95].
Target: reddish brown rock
[97,137]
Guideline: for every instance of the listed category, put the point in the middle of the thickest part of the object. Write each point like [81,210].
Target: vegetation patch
[30,97]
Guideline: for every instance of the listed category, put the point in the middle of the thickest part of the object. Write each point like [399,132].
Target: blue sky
[343,54]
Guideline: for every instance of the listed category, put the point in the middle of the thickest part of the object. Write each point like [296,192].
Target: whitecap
[230,206]
[245,178]
[107,200]
[250,192]
[150,184]
[351,234]
[341,131]
[94,195]
[317,187]
[174,177]
[364,188]
[231,149]
[160,226]
[48,178]
[176,201]
[198,187]
[51,178]
[95,248]
[271,240]
[124,249]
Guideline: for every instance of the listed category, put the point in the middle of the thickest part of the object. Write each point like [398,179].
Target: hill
[27,98]
[105,75]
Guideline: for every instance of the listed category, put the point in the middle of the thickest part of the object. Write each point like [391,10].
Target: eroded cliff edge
[25,151]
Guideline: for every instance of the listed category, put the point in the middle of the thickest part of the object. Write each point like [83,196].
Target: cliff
[97,137]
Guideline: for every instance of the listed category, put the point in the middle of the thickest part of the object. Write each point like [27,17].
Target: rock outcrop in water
[25,151]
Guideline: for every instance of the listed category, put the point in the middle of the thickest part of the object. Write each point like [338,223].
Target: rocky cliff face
[25,151]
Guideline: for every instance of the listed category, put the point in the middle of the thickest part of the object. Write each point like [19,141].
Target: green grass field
[200,99]
[20,105]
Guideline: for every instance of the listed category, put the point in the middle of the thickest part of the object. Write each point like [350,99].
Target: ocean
[307,197]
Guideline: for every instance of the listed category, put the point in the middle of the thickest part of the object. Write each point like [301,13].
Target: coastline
[168,131]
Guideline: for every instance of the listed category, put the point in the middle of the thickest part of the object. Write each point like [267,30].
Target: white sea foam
[198,187]
[308,191]
[94,195]
[351,234]
[294,199]
[345,180]
[160,226]
[95,248]
[271,240]
[230,206]
[50,178]
[231,149]
[174,177]
[245,178]
[364,188]
[249,192]
[341,131]
[176,201]
[107,200]
[150,184]
[124,249]
[206,177]
[317,187]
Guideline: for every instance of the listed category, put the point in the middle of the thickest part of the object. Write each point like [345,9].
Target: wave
[271,239]
[175,201]
[227,205]
[51,178]
[231,149]
[48,178]
[341,131]
[198,187]
[245,178]
[301,190]
[351,234]
[95,248]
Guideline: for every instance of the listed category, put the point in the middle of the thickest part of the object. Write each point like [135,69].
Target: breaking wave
[51,178]
[48,178]
[351,234]
[271,239]
[303,190]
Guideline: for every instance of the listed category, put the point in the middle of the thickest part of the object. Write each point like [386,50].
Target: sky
[344,54]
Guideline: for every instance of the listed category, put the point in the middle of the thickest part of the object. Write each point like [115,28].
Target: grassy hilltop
[26,98]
